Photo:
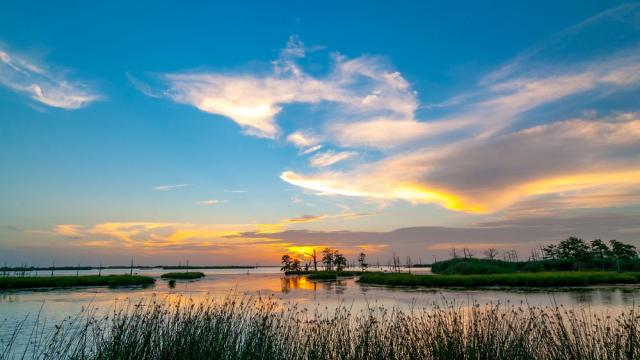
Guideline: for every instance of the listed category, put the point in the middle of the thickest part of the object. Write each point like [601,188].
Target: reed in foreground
[542,279]
[24,282]
[254,328]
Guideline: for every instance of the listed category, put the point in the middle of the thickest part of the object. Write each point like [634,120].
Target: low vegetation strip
[543,279]
[330,275]
[253,328]
[323,275]
[183,275]
[25,282]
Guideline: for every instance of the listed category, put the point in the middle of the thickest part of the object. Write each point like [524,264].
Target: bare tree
[315,259]
[362,260]
[491,253]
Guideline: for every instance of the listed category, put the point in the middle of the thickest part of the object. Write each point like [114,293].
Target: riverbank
[542,279]
[27,282]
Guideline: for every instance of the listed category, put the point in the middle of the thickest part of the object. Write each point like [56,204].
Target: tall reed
[240,327]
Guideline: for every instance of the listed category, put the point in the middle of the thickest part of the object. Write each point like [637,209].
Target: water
[55,304]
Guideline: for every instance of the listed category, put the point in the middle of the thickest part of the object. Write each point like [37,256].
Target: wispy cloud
[170,187]
[210,202]
[355,88]
[306,141]
[237,191]
[43,85]
[305,218]
[329,158]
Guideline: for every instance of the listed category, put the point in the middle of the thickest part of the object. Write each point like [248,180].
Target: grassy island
[324,275]
[183,275]
[25,282]
[330,275]
[541,279]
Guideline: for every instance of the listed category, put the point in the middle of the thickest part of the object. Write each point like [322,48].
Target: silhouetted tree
[327,258]
[362,260]
[295,265]
[314,258]
[622,251]
[491,253]
[599,250]
[339,261]
[550,252]
[286,263]
[573,248]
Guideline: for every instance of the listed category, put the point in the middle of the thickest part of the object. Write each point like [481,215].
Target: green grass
[473,266]
[254,328]
[486,266]
[25,282]
[544,279]
[323,275]
[183,275]
[331,275]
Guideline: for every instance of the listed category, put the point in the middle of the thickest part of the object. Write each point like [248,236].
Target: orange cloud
[486,176]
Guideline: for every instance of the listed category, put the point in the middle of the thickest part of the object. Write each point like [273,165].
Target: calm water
[55,305]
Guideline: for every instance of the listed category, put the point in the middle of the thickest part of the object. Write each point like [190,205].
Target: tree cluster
[333,259]
[575,248]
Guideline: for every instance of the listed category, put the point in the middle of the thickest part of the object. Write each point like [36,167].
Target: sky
[234,133]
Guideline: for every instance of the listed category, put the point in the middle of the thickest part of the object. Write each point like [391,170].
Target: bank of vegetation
[542,279]
[331,275]
[26,282]
[250,328]
[572,254]
[183,275]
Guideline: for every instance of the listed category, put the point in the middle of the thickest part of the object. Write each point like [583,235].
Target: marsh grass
[183,275]
[310,272]
[542,279]
[330,275]
[258,328]
[24,282]
[468,266]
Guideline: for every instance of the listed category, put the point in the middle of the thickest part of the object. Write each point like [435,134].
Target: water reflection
[297,282]
[337,287]
[8,298]
[55,304]
[581,296]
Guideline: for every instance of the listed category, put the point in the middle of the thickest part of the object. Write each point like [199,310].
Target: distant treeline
[115,267]
[570,254]
[55,268]
[207,267]
[21,282]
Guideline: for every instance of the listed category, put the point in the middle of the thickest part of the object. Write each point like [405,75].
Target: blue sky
[207,131]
